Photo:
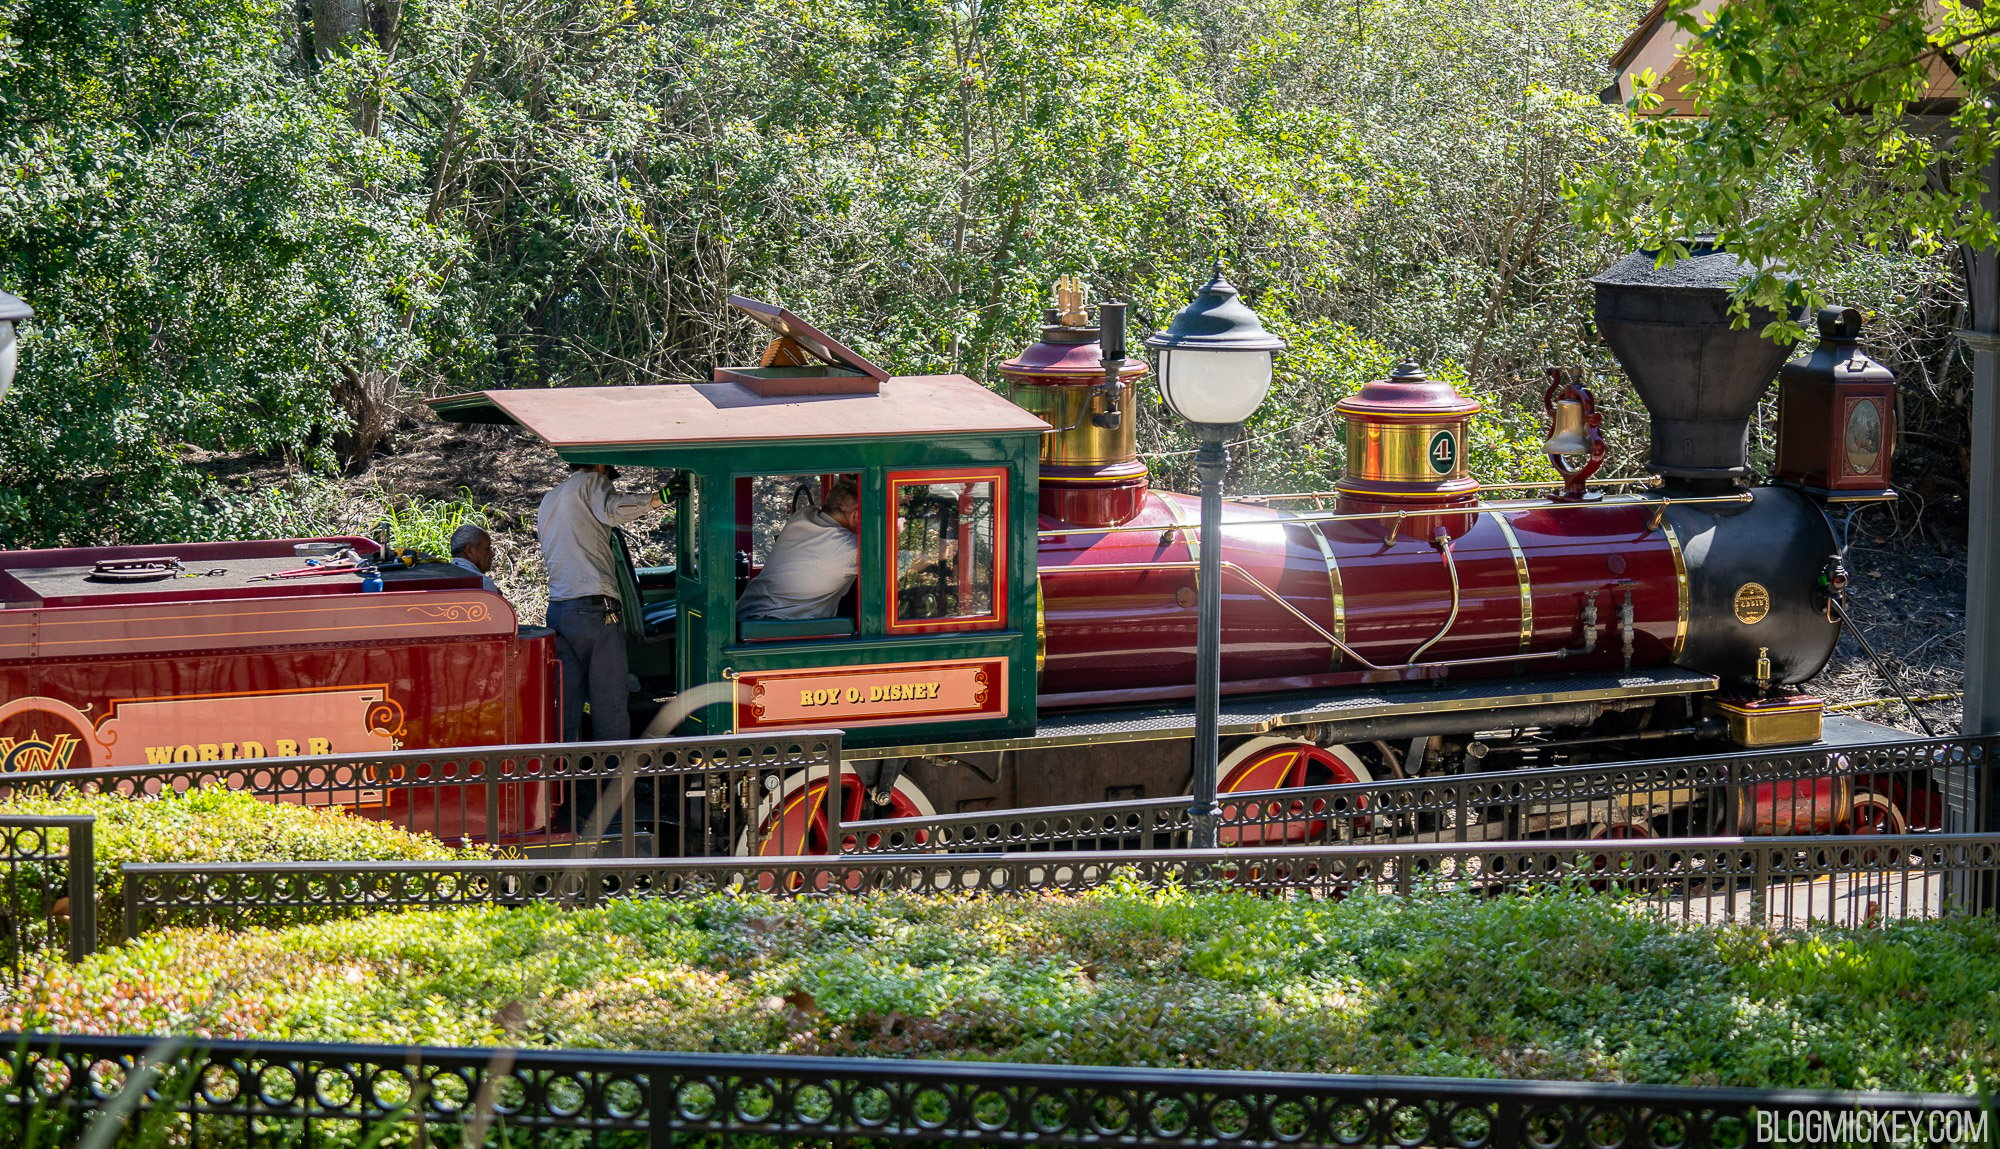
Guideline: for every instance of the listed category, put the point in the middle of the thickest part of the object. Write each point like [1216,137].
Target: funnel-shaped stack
[1699,375]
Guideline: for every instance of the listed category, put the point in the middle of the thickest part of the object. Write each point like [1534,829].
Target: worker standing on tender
[574,526]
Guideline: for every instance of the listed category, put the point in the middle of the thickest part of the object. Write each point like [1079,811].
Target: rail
[1660,502]
[1832,880]
[1527,485]
[675,796]
[1870,788]
[301,1094]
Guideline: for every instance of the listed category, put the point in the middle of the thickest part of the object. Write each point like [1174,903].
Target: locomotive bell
[1406,438]
[1566,436]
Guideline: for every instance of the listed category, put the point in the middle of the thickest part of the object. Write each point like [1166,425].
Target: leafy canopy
[1845,92]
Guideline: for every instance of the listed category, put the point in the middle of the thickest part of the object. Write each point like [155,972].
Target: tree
[1819,130]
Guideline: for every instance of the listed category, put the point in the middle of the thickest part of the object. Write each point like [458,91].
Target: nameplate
[873,695]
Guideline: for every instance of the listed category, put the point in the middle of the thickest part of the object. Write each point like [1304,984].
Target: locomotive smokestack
[1699,376]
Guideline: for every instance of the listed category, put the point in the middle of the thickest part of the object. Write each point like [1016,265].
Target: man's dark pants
[592,650]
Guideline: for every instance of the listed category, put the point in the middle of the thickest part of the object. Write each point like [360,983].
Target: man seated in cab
[813,562]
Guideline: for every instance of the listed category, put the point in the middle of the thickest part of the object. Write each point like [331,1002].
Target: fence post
[1760,881]
[628,806]
[129,926]
[83,890]
[832,803]
[661,1108]
[487,769]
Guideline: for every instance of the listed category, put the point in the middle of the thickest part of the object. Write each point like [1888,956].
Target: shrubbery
[215,825]
[1557,986]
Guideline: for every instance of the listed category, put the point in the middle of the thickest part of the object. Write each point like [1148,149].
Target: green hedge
[214,825]
[1552,986]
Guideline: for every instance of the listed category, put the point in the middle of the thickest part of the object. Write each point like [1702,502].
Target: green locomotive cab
[936,637]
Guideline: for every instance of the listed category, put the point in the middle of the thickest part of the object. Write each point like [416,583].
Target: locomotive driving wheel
[1286,764]
[796,822]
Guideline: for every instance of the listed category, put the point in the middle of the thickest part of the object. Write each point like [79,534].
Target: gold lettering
[159,755]
[183,753]
[228,751]
[252,749]
[319,746]
[287,748]
[210,752]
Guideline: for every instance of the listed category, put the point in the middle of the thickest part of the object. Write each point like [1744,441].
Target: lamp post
[13,309]
[1215,369]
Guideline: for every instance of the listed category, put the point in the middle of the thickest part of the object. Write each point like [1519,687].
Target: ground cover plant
[1562,985]
[216,825]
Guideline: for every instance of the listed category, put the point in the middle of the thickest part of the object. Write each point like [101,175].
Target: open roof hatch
[802,360]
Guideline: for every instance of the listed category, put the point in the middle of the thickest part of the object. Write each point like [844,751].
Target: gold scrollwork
[385,718]
[455,611]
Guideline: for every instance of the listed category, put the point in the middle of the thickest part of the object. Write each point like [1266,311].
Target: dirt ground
[1906,596]
[1906,563]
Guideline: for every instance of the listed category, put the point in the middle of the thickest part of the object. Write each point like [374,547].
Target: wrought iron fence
[48,894]
[1891,787]
[295,1094]
[1851,881]
[672,797]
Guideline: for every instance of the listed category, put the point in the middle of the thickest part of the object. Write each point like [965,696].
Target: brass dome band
[1395,451]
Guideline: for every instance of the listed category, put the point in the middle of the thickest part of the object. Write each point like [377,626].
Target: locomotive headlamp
[1215,357]
[12,310]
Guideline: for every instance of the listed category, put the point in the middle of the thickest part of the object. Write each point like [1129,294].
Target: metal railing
[48,892]
[298,1094]
[1846,881]
[1889,787]
[672,796]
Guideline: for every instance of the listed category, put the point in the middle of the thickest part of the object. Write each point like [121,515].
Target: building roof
[698,414]
[1656,44]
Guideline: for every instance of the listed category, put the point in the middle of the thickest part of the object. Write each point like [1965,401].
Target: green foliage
[427,525]
[1561,985]
[1809,143]
[216,825]
[235,246]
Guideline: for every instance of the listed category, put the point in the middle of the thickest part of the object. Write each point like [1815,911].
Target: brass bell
[1566,437]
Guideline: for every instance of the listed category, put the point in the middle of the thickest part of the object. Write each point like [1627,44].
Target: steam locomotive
[1022,630]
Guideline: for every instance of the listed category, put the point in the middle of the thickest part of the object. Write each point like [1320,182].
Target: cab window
[946,550]
[797,556]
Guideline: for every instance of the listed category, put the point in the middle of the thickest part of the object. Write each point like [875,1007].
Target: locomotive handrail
[1336,643]
[1529,485]
[1625,501]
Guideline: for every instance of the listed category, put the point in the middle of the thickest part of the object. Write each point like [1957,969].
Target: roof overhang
[656,420]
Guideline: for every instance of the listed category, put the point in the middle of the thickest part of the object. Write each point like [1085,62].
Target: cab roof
[730,414]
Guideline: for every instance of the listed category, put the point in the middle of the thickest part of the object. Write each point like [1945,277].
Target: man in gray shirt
[574,526]
[812,563]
